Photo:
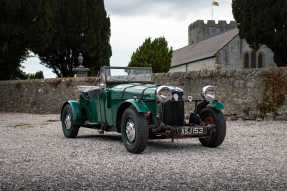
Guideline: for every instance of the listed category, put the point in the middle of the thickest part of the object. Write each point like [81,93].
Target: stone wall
[241,92]
[247,94]
[40,96]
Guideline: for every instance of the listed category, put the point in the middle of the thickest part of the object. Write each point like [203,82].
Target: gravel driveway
[34,155]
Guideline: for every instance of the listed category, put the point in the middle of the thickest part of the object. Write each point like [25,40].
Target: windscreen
[128,74]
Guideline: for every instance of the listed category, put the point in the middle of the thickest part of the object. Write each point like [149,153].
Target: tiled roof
[202,50]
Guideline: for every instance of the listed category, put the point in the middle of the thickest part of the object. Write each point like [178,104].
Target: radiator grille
[172,113]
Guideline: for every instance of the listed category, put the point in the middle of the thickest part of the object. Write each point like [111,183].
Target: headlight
[208,93]
[164,94]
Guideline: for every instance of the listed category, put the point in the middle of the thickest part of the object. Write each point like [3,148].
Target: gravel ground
[34,155]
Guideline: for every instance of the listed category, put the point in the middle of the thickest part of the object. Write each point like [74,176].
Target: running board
[89,124]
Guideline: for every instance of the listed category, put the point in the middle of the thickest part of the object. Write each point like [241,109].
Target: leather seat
[89,92]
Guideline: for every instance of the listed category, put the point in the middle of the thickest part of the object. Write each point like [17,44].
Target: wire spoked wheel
[130,131]
[70,130]
[134,131]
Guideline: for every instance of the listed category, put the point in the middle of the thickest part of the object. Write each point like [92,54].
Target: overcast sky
[132,21]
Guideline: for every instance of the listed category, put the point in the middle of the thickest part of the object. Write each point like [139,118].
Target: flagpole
[213,4]
[212,10]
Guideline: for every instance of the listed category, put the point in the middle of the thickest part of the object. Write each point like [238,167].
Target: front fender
[140,106]
[217,105]
[76,109]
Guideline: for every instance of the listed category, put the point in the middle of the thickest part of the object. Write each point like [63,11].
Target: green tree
[155,54]
[66,28]
[37,75]
[24,76]
[264,22]
[12,38]
[56,30]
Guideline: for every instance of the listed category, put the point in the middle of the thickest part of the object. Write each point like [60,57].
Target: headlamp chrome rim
[164,96]
[208,92]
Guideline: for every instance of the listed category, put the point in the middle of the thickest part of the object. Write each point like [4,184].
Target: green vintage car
[128,102]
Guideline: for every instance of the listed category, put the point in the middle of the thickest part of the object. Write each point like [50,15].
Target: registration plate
[195,131]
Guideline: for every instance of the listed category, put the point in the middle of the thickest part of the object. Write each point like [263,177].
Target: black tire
[72,131]
[139,143]
[217,137]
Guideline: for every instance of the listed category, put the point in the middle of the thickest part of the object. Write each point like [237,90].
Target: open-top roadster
[126,101]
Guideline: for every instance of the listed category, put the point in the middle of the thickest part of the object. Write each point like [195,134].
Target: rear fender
[76,109]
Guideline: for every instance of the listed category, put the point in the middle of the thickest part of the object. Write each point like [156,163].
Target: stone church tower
[199,31]
[218,46]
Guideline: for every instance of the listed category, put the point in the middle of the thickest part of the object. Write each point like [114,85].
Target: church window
[253,59]
[260,60]
[246,60]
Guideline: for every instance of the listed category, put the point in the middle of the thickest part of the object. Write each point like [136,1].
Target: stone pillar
[81,71]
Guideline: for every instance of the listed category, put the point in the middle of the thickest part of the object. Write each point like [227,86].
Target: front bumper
[194,131]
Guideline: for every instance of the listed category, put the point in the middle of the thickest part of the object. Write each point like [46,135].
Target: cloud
[139,19]
[174,8]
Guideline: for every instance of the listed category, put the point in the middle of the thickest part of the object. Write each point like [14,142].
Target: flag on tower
[215,3]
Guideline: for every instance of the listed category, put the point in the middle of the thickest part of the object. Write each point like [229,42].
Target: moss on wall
[275,91]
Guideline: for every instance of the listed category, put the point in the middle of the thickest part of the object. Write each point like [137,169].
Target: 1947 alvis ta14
[126,101]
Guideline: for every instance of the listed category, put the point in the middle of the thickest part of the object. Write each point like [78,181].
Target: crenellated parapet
[200,30]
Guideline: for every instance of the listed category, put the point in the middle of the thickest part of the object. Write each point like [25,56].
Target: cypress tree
[12,38]
[56,30]
[67,28]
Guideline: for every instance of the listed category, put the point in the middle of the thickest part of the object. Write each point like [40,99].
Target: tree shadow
[161,145]
[105,137]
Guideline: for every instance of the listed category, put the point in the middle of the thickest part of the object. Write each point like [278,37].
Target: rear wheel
[70,130]
[213,117]
[134,131]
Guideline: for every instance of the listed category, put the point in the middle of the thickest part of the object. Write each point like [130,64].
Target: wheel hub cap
[68,122]
[209,120]
[130,131]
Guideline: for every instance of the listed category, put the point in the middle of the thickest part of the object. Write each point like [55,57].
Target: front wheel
[134,131]
[213,117]
[70,130]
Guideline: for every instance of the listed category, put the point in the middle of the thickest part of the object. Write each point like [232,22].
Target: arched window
[260,60]
[253,59]
[246,60]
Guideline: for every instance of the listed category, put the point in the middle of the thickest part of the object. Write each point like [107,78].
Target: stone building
[218,47]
